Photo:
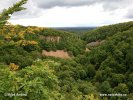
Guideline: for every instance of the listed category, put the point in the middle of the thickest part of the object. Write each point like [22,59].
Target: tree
[105,87]
[6,14]
[122,88]
[36,82]
[90,70]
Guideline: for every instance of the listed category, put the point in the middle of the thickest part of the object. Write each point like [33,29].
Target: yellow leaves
[13,67]
[33,42]
[7,37]
[18,43]
[37,29]
[92,97]
[30,30]
[33,30]
[19,31]
[21,34]
[88,97]
[1,42]
[24,43]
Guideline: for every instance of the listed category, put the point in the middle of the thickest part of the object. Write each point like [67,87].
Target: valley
[43,63]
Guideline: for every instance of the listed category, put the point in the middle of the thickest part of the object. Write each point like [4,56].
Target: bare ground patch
[58,54]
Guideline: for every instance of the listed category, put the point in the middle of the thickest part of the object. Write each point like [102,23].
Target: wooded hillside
[99,62]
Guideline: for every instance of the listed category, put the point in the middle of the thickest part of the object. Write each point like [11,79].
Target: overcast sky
[71,13]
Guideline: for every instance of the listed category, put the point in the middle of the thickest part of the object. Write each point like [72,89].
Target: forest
[100,62]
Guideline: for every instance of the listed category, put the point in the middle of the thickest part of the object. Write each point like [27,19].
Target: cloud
[47,4]
[36,7]
[129,14]
[6,3]
[74,16]
[71,12]
[67,17]
[62,3]
[116,4]
[107,4]
[32,11]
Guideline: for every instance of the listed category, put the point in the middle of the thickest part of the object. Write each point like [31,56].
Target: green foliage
[104,32]
[106,87]
[12,54]
[106,68]
[61,41]
[113,62]
[37,82]
[122,88]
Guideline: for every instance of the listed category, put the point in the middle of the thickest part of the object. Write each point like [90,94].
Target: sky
[71,13]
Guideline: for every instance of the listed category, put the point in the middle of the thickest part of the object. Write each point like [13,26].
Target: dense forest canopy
[106,68]
[104,32]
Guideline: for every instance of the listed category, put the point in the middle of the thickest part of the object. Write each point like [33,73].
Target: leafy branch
[6,14]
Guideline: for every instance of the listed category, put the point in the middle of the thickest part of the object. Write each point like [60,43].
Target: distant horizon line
[95,26]
[76,27]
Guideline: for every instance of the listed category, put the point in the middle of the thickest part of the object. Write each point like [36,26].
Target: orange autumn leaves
[25,43]
[13,67]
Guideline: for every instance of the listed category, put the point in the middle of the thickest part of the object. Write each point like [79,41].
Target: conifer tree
[6,14]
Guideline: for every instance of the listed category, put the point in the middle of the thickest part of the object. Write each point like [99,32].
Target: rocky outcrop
[94,44]
[51,38]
